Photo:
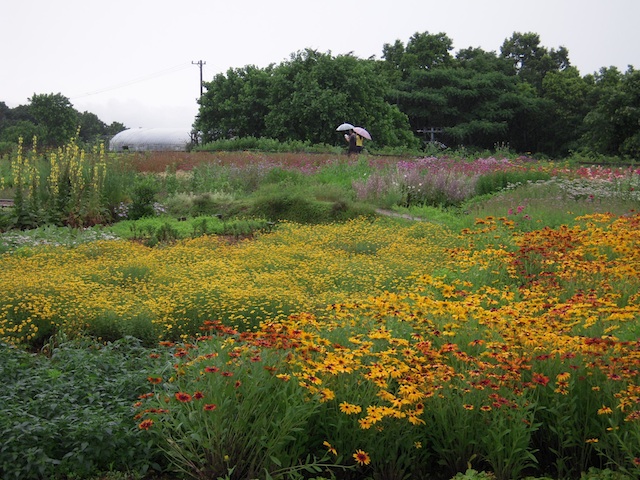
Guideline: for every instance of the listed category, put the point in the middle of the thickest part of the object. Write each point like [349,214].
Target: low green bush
[67,414]
[499,180]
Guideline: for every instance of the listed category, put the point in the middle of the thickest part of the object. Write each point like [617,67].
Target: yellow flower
[365,423]
[326,395]
[605,410]
[350,408]
[330,448]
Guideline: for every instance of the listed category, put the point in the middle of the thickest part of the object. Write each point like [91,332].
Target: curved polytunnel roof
[144,139]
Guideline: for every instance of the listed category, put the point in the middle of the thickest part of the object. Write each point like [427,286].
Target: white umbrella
[344,127]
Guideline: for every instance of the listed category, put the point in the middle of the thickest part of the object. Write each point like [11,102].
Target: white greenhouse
[151,139]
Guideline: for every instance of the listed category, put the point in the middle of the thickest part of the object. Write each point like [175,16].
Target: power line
[144,78]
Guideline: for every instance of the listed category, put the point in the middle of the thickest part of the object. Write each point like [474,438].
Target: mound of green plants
[67,413]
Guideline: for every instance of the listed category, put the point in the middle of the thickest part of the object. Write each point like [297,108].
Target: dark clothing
[352,143]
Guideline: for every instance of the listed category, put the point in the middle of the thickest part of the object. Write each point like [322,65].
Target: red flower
[211,369]
[154,380]
[146,424]
[540,379]
[210,407]
[198,395]
[183,397]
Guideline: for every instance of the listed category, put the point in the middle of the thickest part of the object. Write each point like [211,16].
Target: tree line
[528,97]
[53,120]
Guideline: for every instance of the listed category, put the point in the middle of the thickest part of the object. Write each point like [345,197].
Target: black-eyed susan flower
[350,408]
[362,457]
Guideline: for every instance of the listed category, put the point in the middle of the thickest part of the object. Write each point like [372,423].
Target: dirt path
[406,216]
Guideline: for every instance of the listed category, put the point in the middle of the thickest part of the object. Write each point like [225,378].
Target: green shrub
[499,180]
[143,198]
[68,415]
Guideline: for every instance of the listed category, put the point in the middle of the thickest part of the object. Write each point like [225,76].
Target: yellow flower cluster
[174,289]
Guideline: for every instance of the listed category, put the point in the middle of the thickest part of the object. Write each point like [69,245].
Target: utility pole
[200,63]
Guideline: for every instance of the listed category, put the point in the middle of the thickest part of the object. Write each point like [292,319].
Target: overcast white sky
[130,61]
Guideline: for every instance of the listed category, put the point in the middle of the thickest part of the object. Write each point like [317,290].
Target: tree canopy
[526,96]
[53,120]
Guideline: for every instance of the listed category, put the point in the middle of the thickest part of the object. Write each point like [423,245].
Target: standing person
[351,140]
[359,143]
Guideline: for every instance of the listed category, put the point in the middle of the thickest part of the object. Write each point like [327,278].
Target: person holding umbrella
[350,137]
[361,134]
[352,140]
[355,137]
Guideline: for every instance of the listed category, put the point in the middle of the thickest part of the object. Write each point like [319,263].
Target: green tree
[530,60]
[21,129]
[473,96]
[114,128]
[567,93]
[4,112]
[92,129]
[235,104]
[55,113]
[613,124]
[303,98]
[423,51]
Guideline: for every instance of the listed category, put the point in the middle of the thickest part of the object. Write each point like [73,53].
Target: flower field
[417,349]
[378,349]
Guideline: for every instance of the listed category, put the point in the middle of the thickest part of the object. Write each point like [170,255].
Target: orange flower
[210,407]
[146,424]
[198,395]
[154,380]
[540,379]
[362,457]
[183,397]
